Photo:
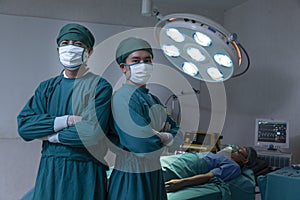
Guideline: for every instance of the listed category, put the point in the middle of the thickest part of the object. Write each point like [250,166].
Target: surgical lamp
[198,46]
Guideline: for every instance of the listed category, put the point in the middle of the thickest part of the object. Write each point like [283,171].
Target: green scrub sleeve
[95,120]
[175,130]
[33,121]
[135,136]
[133,128]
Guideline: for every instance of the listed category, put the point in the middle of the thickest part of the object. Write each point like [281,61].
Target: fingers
[170,186]
[43,138]
[165,127]
[73,119]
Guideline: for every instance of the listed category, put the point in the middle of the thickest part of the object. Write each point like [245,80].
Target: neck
[76,73]
[132,83]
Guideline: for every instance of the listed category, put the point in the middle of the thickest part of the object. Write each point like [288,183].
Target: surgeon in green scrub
[70,114]
[143,127]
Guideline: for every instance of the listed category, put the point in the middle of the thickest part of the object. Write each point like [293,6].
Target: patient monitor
[272,134]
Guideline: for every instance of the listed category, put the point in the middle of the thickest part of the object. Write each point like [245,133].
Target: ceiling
[122,12]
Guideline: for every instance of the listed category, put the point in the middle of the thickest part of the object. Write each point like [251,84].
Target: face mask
[140,73]
[72,57]
[226,152]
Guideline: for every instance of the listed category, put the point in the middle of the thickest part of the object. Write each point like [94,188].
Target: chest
[69,98]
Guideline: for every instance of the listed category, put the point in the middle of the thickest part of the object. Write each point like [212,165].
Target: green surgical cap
[130,45]
[76,32]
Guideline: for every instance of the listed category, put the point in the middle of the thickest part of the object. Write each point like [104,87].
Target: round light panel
[197,46]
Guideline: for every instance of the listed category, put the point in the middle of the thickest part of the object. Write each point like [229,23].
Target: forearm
[34,127]
[93,122]
[177,184]
[145,144]
[83,133]
[61,123]
[198,179]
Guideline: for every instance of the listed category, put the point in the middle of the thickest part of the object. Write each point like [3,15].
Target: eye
[135,61]
[78,43]
[63,43]
[148,60]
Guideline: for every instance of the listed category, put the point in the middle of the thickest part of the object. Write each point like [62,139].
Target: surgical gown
[137,173]
[68,170]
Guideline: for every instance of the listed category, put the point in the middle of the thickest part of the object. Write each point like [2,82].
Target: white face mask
[140,73]
[72,57]
[226,152]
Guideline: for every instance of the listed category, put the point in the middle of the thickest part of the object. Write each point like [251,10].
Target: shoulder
[50,82]
[123,92]
[219,158]
[126,91]
[94,77]
[129,95]
[92,80]
[156,99]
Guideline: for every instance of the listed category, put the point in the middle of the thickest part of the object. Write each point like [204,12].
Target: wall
[19,162]
[28,56]
[269,30]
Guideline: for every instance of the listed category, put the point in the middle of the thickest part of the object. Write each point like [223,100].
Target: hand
[165,137]
[73,119]
[51,138]
[174,185]
[165,127]
[43,138]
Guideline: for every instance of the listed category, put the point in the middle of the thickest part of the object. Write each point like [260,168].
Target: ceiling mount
[197,46]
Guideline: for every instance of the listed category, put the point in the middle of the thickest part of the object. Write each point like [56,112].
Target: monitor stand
[271,148]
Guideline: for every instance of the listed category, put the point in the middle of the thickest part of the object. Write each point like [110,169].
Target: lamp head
[198,46]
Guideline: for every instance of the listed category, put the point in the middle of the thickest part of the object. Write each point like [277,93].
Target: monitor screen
[200,140]
[272,133]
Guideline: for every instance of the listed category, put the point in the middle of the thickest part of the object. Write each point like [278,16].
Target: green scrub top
[137,172]
[67,169]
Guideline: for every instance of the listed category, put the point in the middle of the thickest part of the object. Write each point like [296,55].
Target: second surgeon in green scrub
[70,113]
[143,127]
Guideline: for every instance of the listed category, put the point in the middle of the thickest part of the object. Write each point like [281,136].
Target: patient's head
[244,156]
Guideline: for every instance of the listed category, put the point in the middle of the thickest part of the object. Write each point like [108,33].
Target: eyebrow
[138,57]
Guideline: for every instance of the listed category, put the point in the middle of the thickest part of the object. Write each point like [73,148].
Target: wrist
[70,120]
[184,182]
[53,138]
[60,123]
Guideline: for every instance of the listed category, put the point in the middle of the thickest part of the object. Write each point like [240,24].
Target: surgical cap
[76,32]
[252,156]
[130,45]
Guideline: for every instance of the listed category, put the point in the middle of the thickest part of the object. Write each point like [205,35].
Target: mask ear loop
[85,56]
[130,72]
[129,66]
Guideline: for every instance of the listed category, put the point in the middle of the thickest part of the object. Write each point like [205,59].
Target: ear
[90,51]
[123,68]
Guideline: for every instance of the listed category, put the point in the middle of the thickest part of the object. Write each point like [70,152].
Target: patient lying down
[226,165]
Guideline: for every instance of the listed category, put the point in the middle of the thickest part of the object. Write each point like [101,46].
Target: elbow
[22,129]
[26,139]
[24,136]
